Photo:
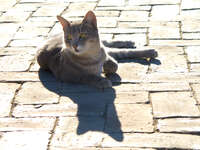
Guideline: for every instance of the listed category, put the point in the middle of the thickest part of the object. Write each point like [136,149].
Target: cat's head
[81,37]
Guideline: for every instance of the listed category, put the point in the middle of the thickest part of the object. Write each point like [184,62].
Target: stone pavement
[154,104]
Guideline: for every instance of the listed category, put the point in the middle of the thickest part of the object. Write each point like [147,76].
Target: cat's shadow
[95,108]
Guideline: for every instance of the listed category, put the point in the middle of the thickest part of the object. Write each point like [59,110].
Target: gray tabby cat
[79,57]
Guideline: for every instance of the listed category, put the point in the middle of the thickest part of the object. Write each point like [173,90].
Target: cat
[78,56]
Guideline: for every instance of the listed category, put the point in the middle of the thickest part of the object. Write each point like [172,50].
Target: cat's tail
[126,49]
[132,53]
[119,44]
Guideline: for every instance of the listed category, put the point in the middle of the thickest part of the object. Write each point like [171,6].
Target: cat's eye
[69,37]
[82,35]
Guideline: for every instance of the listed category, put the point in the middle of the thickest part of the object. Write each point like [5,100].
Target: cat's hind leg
[110,65]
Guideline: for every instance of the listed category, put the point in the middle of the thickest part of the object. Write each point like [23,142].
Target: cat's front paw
[104,83]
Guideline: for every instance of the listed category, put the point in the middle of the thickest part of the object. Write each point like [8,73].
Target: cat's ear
[90,18]
[65,24]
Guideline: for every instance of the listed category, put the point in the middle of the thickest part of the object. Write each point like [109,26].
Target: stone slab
[153,87]
[182,125]
[196,88]
[161,13]
[193,53]
[195,67]
[16,62]
[24,140]
[27,124]
[36,93]
[45,110]
[171,104]
[192,4]
[78,132]
[129,118]
[7,94]
[155,140]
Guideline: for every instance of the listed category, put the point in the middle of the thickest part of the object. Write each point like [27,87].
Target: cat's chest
[94,69]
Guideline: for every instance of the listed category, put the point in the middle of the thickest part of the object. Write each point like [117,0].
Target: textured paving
[153,105]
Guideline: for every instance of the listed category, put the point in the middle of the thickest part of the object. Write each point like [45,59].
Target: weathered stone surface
[49,10]
[131,97]
[171,104]
[196,88]
[192,4]
[126,7]
[7,94]
[26,76]
[191,36]
[140,67]
[162,13]
[195,67]
[155,140]
[139,39]
[174,42]
[154,87]
[89,103]
[35,67]
[106,13]
[190,26]
[6,5]
[26,124]
[193,53]
[170,77]
[15,15]
[111,3]
[153,2]
[107,22]
[10,29]
[129,118]
[27,42]
[134,16]
[122,30]
[171,59]
[31,32]
[164,32]
[37,93]
[78,132]
[24,140]
[179,125]
[190,15]
[45,110]
[15,62]
[78,9]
